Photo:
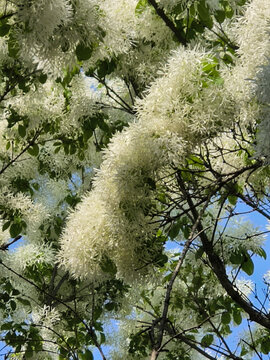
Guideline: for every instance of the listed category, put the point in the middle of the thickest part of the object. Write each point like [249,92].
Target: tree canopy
[134,165]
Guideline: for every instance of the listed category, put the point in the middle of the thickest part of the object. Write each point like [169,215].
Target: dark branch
[89,329]
[219,268]
[6,246]
[32,142]
[168,22]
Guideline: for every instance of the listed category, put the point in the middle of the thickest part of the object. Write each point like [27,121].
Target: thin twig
[160,12]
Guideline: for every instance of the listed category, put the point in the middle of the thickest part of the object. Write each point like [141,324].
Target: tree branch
[160,12]
[192,237]
[219,268]
[89,329]
[22,152]
[6,246]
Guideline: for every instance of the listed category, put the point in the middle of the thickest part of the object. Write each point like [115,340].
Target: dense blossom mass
[180,110]
[134,175]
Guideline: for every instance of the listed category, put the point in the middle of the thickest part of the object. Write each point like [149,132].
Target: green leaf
[225,318]
[207,340]
[105,67]
[13,305]
[15,229]
[72,149]
[220,15]
[237,318]
[81,156]
[247,265]
[98,326]
[97,313]
[229,12]
[265,346]
[13,47]
[83,52]
[21,130]
[140,7]
[102,338]
[35,186]
[7,326]
[199,253]
[151,182]
[103,126]
[209,66]
[87,134]
[204,14]
[4,29]
[261,252]
[6,225]
[174,230]
[87,355]
[108,266]
[71,341]
[109,306]
[161,260]
[57,149]
[33,150]
[232,199]
[42,78]
[29,352]
[227,59]
[24,301]
[66,148]
[236,258]
[186,231]
[244,351]
[15,292]
[18,348]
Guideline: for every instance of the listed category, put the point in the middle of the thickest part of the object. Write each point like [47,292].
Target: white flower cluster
[184,101]
[138,37]
[248,81]
[4,235]
[244,286]
[34,214]
[44,16]
[30,255]
[82,102]
[113,220]
[51,193]
[47,319]
[40,105]
[49,31]
[184,107]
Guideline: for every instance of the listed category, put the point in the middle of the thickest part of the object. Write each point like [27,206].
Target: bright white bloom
[21,205]
[44,16]
[30,255]
[51,193]
[53,30]
[26,257]
[185,101]
[244,286]
[82,102]
[51,316]
[47,318]
[247,81]
[119,17]
[182,108]
[4,235]
[40,105]
[113,220]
